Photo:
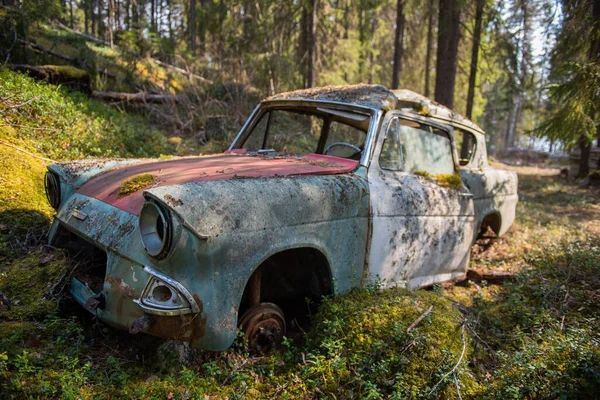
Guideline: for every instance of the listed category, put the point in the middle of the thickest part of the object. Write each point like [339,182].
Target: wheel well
[491,221]
[288,276]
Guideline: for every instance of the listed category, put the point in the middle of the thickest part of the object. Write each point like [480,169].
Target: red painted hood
[105,187]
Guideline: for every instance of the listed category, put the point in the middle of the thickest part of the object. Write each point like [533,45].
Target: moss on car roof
[373,96]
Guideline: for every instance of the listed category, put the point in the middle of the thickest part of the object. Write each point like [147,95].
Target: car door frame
[407,247]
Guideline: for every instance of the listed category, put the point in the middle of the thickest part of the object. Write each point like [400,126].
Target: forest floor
[534,337]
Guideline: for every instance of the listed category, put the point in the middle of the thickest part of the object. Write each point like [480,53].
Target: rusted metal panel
[105,187]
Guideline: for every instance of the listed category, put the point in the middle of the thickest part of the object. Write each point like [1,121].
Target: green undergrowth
[536,337]
[65,125]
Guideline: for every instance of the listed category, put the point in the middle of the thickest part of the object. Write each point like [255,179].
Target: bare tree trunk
[447,52]
[475,56]
[374,20]
[71,19]
[111,11]
[511,126]
[153,15]
[192,26]
[398,39]
[86,18]
[584,160]
[311,45]
[202,30]
[93,16]
[346,28]
[429,46]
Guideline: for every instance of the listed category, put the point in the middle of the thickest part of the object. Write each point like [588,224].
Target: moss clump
[137,182]
[66,71]
[30,283]
[453,181]
[24,211]
[363,336]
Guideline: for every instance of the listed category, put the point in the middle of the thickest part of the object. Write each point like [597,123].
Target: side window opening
[391,153]
[413,146]
[465,144]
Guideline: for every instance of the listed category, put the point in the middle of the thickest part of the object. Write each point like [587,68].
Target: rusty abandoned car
[321,191]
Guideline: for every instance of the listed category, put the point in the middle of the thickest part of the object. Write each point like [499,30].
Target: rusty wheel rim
[264,327]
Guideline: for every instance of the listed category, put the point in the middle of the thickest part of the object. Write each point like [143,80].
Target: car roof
[379,97]
[407,99]
[372,96]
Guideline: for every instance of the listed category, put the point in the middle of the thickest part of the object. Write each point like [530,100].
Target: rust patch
[199,302]
[120,286]
[172,201]
[172,327]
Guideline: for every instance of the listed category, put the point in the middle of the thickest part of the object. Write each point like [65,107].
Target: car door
[422,215]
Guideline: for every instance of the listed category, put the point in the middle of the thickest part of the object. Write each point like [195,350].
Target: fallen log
[140,97]
[489,275]
[66,75]
[43,49]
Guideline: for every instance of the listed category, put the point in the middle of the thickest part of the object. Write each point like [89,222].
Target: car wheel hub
[264,327]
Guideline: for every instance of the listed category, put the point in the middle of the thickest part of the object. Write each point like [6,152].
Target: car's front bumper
[117,297]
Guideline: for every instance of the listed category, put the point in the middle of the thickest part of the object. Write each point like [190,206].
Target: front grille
[90,260]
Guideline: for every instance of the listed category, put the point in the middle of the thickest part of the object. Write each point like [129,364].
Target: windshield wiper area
[267,152]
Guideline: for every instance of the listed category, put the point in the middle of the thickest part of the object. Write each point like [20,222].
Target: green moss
[24,211]
[66,71]
[453,181]
[31,282]
[137,182]
[64,125]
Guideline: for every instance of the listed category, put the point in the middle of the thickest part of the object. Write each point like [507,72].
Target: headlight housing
[165,296]
[156,229]
[52,186]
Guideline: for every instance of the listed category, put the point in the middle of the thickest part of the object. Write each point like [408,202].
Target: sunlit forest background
[525,70]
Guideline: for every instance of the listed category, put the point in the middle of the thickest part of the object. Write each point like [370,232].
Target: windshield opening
[302,130]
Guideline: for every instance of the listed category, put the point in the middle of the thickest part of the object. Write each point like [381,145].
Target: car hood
[105,186]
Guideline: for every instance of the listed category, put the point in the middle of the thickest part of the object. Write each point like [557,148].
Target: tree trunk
[584,160]
[153,15]
[474,56]
[192,26]
[202,27]
[111,11]
[511,126]
[398,39]
[429,46]
[71,19]
[311,45]
[447,52]
[93,16]
[86,19]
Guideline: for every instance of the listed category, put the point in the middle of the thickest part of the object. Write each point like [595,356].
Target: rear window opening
[90,261]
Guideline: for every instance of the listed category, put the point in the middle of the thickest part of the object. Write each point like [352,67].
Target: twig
[23,103]
[426,313]
[26,152]
[464,342]
[457,387]
[39,128]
